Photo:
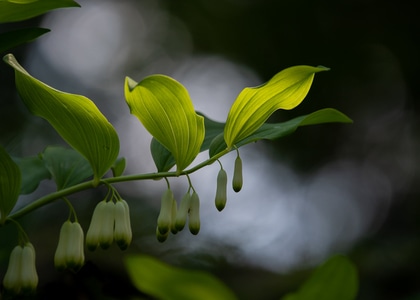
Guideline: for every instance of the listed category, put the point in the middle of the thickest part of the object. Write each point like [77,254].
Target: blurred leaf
[118,167]
[33,171]
[12,11]
[166,282]
[272,131]
[335,279]
[253,106]
[15,38]
[10,181]
[165,109]
[66,166]
[74,117]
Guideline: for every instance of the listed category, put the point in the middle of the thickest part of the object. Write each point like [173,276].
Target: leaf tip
[130,83]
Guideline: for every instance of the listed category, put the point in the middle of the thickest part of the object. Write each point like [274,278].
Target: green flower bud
[164,220]
[237,180]
[101,229]
[122,230]
[161,237]
[106,236]
[182,213]
[21,275]
[11,280]
[221,190]
[29,276]
[174,230]
[70,252]
[95,227]
[194,214]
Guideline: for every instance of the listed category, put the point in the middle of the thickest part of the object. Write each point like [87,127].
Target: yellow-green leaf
[251,109]
[74,117]
[166,282]
[165,109]
[10,181]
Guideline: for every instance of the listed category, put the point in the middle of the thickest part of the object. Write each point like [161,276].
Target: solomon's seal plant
[179,134]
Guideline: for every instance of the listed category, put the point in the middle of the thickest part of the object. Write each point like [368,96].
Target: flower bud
[70,252]
[29,276]
[174,210]
[182,213]
[11,280]
[94,231]
[237,180]
[101,229]
[21,275]
[106,236]
[221,190]
[122,230]
[164,220]
[194,214]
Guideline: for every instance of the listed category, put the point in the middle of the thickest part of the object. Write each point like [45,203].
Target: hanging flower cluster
[21,275]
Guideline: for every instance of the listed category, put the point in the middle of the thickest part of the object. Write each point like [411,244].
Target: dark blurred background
[326,189]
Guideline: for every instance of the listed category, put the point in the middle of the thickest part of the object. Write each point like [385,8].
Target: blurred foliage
[360,41]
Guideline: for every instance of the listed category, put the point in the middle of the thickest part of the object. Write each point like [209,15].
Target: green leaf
[15,38]
[166,282]
[118,167]
[33,171]
[272,131]
[10,181]
[18,10]
[66,166]
[253,106]
[165,109]
[164,160]
[335,279]
[74,117]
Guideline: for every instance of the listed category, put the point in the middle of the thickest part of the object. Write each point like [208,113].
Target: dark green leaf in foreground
[165,282]
[10,181]
[18,10]
[66,166]
[74,117]
[335,279]
[33,171]
[272,131]
[11,39]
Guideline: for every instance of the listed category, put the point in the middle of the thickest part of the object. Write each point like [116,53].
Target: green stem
[92,183]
